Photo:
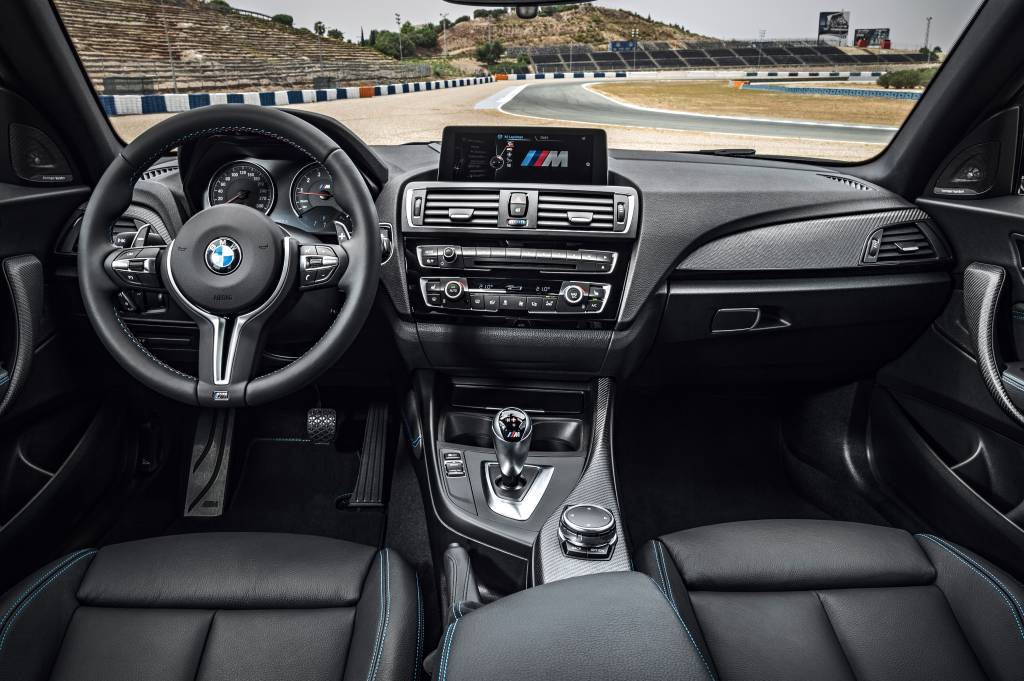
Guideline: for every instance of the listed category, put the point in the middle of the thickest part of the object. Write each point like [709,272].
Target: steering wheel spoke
[136,268]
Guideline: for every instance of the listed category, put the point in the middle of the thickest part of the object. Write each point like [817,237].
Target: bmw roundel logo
[223,256]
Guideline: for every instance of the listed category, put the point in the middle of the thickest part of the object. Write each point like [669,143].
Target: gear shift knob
[512,430]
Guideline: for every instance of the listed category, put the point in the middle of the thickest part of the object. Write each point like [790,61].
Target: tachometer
[244,183]
[312,188]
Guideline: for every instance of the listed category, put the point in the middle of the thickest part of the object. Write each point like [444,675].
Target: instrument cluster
[311,204]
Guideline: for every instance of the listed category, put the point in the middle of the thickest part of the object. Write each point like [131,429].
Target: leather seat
[795,600]
[216,606]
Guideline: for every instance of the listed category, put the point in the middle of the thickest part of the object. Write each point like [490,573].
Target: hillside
[188,45]
[586,24]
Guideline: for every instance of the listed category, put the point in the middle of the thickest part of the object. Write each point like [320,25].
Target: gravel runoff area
[420,117]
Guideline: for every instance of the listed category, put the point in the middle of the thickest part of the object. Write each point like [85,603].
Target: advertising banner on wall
[833,27]
[870,37]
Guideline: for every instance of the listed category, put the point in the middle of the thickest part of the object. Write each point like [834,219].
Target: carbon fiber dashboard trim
[596,486]
[821,244]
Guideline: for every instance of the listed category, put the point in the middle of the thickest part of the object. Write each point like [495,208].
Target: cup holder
[550,435]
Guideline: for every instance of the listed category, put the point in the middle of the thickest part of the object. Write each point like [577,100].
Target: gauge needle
[322,195]
[238,196]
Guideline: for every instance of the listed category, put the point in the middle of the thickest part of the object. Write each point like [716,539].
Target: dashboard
[540,252]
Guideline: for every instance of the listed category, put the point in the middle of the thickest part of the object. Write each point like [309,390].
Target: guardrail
[126,105]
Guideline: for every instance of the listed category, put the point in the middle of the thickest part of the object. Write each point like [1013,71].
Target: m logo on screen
[546,159]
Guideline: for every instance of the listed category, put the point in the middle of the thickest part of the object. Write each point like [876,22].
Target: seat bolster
[228,571]
[388,639]
[35,614]
[988,605]
[770,555]
[654,561]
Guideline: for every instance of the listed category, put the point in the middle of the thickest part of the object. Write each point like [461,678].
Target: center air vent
[458,208]
[557,210]
[899,244]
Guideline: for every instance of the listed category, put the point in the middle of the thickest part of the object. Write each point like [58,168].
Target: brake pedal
[208,470]
[321,425]
[369,490]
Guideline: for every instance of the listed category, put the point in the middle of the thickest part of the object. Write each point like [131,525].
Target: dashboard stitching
[137,173]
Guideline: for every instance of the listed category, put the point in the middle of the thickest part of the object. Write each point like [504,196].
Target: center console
[521,228]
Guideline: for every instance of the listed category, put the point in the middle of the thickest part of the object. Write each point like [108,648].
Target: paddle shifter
[512,430]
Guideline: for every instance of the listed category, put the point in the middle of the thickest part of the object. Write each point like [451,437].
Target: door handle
[24,277]
[983,286]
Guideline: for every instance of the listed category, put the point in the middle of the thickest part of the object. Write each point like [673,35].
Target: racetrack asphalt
[577,103]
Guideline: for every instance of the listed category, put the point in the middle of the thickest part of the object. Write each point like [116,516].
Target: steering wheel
[229,267]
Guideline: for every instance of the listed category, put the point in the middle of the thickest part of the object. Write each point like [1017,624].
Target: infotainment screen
[528,155]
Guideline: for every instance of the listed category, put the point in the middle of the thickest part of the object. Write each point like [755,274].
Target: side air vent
[850,182]
[899,244]
[557,210]
[457,208]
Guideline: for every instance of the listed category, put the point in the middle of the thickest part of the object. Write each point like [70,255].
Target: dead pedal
[208,469]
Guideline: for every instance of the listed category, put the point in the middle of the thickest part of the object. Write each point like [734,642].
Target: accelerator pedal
[208,471]
[369,490]
[321,426]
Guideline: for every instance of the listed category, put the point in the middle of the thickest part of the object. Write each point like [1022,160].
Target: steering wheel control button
[587,532]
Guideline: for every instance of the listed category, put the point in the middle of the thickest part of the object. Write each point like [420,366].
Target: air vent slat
[899,243]
[557,210]
[451,208]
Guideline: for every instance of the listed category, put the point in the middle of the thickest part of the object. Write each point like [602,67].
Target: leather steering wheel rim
[112,197]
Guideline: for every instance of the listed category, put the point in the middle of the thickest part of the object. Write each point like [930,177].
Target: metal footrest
[208,471]
[369,490]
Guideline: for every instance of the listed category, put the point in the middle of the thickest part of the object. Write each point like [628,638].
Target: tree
[490,52]
[219,4]
[335,34]
[283,19]
[388,43]
[319,28]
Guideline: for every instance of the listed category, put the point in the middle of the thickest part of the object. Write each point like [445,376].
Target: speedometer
[244,183]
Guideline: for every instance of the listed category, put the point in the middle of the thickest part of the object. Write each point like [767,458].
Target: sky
[729,19]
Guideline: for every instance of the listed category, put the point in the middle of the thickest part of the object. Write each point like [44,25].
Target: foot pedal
[321,425]
[208,472]
[369,489]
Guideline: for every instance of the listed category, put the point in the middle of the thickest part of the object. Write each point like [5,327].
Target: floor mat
[696,461]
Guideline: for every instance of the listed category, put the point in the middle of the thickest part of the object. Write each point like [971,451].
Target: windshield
[780,78]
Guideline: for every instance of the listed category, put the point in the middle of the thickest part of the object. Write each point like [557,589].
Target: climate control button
[454,290]
[573,294]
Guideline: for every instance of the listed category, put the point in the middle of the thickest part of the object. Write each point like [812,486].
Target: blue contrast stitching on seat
[659,551]
[14,618]
[985,576]
[449,637]
[689,634]
[957,550]
[43,578]
[385,614]
[419,631]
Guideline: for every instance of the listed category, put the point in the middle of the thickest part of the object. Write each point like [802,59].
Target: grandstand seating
[213,50]
[802,54]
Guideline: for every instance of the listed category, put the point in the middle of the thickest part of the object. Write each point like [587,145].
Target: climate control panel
[502,296]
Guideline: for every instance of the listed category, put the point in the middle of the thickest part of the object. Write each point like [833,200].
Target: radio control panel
[540,259]
[533,297]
